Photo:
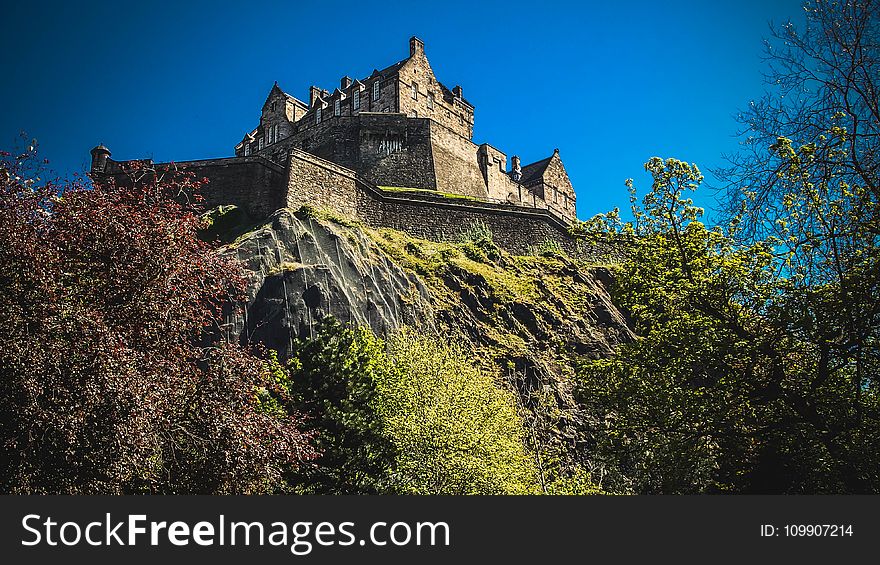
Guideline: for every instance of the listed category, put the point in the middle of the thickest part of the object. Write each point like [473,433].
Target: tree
[822,80]
[730,387]
[107,381]
[407,416]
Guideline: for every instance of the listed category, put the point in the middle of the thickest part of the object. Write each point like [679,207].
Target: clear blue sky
[609,83]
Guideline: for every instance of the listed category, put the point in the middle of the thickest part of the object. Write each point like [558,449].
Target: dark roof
[390,70]
[534,171]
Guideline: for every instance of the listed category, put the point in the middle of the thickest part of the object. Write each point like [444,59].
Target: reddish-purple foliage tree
[107,383]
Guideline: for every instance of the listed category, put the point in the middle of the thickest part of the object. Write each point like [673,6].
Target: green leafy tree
[407,416]
[727,389]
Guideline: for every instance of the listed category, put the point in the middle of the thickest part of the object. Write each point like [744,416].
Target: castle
[393,149]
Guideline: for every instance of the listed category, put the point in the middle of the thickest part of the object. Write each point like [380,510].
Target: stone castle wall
[261,186]
[323,184]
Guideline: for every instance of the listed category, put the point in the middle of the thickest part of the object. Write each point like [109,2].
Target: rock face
[526,319]
[301,269]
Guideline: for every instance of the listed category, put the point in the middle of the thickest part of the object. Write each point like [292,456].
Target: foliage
[741,380]
[822,92]
[477,244]
[335,377]
[107,384]
[413,418]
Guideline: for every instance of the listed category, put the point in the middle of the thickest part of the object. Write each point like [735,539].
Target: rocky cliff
[525,318]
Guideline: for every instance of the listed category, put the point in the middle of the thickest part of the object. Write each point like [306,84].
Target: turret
[515,168]
[100,155]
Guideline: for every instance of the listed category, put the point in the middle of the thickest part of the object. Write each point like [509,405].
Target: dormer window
[336,108]
[376,90]
[356,101]
[430,100]
[318,115]
[415,91]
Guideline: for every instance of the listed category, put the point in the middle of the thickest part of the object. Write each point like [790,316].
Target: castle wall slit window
[336,108]
[415,91]
[274,105]
[356,101]
[430,100]
[375,91]
[318,115]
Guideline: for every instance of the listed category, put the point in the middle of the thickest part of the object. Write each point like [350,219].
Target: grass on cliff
[510,278]
[429,192]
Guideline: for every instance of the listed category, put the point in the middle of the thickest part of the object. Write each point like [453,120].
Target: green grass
[406,189]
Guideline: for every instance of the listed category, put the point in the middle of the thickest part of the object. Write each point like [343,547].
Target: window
[414,114]
[261,143]
[247,149]
[430,100]
[415,91]
[318,115]
[376,90]
[356,101]
[336,108]
[274,105]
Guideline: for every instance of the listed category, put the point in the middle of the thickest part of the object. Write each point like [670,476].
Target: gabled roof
[276,90]
[534,171]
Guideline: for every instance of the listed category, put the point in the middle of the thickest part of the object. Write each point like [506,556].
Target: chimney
[515,169]
[457,92]
[100,155]
[314,94]
[416,46]
[344,83]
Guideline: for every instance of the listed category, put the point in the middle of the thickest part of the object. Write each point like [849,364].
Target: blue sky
[609,84]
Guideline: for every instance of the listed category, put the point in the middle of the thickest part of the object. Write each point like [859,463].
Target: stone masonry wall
[323,184]
[253,183]
[396,151]
[455,163]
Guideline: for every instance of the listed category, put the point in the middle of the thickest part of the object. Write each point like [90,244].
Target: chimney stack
[416,46]
[344,83]
[314,94]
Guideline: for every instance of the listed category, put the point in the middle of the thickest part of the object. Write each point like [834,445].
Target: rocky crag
[526,319]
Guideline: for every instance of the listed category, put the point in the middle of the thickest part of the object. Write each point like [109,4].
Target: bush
[410,416]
